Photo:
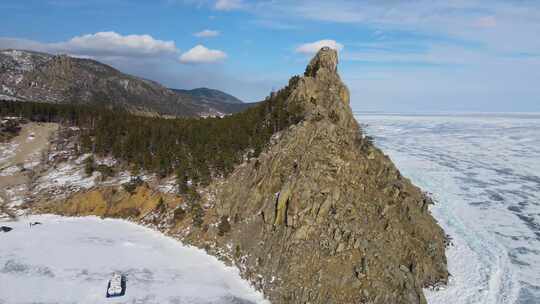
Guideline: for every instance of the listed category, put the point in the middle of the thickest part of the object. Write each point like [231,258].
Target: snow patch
[7,90]
[7,151]
[9,171]
[124,83]
[23,59]
[8,98]
[66,176]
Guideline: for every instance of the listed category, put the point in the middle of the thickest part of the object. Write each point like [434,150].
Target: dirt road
[17,159]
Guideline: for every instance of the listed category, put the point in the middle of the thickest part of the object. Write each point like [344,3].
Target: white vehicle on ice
[116,286]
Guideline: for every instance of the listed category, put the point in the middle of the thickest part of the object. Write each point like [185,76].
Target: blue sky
[412,56]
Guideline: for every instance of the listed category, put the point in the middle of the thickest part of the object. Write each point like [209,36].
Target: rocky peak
[326,60]
[322,94]
[322,215]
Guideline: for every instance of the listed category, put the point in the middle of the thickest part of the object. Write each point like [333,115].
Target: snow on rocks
[7,97]
[16,195]
[9,171]
[22,59]
[120,178]
[106,161]
[66,176]
[168,186]
[7,151]
[7,90]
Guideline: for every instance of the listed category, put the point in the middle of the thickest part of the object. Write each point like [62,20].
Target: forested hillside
[195,149]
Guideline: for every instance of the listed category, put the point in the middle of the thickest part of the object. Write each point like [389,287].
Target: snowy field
[70,260]
[484,173]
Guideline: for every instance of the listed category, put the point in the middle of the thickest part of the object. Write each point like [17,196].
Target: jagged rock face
[143,204]
[33,76]
[323,216]
[325,61]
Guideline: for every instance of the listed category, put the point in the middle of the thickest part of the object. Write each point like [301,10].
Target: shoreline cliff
[319,216]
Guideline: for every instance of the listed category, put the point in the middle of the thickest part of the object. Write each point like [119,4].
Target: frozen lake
[70,260]
[484,173]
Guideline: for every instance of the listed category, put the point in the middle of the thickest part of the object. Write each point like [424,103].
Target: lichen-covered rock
[323,216]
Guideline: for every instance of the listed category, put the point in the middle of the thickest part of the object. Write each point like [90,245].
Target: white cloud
[314,47]
[516,22]
[201,54]
[112,43]
[22,44]
[99,45]
[227,5]
[207,34]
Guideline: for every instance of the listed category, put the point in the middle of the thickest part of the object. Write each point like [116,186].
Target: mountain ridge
[216,99]
[42,77]
[211,94]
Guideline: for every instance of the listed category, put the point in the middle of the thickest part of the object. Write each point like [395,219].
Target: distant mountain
[34,76]
[215,99]
[211,95]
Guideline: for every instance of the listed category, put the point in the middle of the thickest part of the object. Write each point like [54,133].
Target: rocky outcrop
[320,216]
[323,216]
[141,204]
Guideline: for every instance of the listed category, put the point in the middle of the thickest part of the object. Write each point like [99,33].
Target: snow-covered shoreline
[71,259]
[68,260]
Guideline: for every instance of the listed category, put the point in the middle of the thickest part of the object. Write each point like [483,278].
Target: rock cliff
[323,216]
[320,216]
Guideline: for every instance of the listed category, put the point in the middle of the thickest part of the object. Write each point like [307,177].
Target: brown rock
[321,216]
[342,206]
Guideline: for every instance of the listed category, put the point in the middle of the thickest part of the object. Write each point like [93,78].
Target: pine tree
[89,165]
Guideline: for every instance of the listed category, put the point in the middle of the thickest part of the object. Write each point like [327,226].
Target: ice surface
[484,173]
[71,260]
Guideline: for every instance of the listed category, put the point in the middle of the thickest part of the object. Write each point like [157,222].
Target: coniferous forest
[195,149]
